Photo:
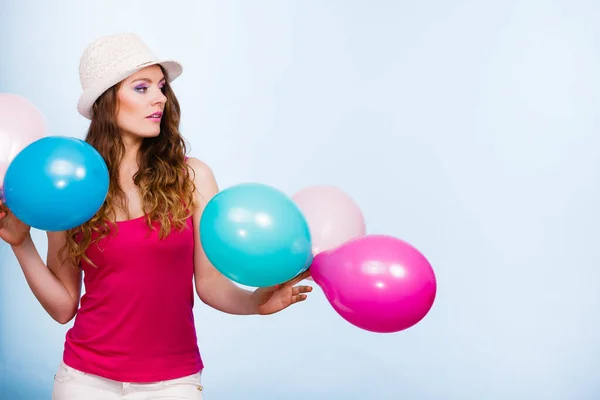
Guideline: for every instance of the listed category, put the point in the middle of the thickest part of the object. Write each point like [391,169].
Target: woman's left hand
[270,300]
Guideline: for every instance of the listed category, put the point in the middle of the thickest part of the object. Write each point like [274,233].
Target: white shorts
[72,384]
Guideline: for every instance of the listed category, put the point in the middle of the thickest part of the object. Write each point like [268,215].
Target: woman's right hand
[12,230]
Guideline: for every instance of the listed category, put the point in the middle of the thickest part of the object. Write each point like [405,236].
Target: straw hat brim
[90,95]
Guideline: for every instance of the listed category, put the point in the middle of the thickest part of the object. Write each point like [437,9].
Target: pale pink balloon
[377,283]
[21,124]
[332,216]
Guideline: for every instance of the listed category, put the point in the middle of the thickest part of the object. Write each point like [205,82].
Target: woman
[134,335]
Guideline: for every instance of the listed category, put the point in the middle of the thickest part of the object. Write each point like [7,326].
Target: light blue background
[467,128]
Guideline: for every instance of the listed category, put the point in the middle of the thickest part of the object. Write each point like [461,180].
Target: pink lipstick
[156,117]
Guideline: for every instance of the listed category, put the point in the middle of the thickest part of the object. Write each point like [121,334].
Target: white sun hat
[110,59]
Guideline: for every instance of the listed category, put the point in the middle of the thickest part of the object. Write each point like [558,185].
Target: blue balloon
[56,183]
[255,235]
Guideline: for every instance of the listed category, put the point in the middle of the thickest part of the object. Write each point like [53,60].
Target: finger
[305,274]
[299,278]
[301,289]
[299,298]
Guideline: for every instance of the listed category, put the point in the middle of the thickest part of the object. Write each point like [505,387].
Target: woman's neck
[130,160]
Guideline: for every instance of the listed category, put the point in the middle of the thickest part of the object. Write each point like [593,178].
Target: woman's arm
[212,287]
[215,289]
[57,286]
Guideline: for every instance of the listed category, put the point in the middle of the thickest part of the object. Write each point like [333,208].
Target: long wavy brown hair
[164,179]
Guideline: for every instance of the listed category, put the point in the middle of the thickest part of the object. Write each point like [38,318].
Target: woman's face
[141,102]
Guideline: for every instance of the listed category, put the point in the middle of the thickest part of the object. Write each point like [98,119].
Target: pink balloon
[21,124]
[332,216]
[377,283]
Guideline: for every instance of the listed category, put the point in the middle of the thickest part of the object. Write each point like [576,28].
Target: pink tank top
[135,322]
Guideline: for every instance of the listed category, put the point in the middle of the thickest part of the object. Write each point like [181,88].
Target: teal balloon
[56,183]
[255,235]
